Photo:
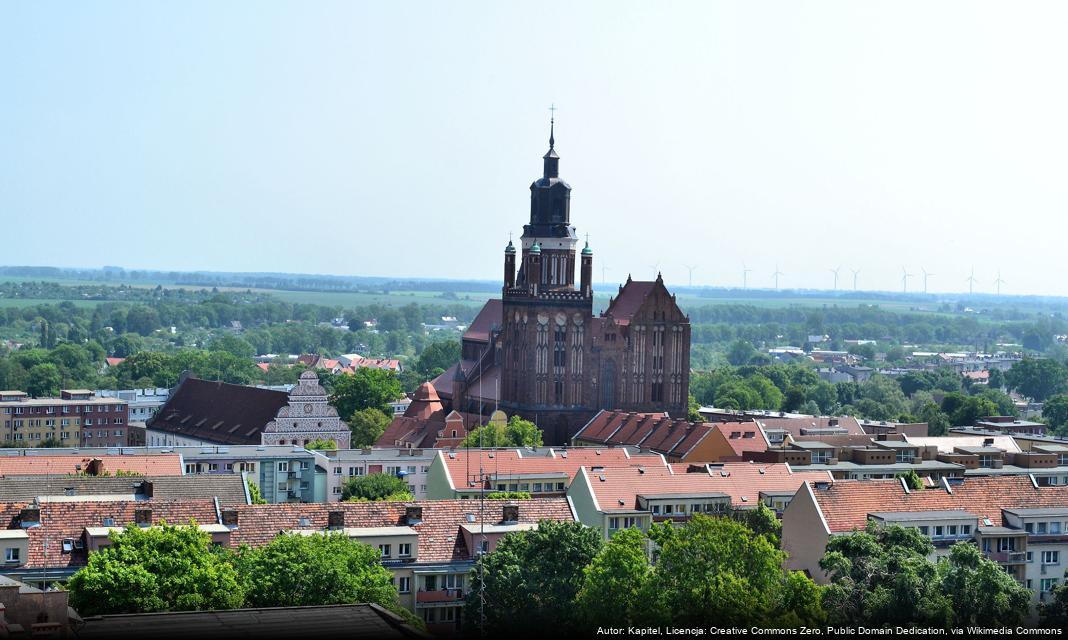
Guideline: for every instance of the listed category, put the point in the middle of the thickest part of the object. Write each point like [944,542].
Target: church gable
[307,417]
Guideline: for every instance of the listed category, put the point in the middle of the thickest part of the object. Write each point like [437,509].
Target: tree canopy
[375,487]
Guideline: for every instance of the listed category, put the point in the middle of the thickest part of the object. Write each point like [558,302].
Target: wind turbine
[604,269]
[690,268]
[855,272]
[745,276]
[999,282]
[776,276]
[971,281]
[835,272]
[655,268]
[925,276]
[905,275]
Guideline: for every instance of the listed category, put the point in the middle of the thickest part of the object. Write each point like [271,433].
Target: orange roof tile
[165,464]
[847,503]
[463,464]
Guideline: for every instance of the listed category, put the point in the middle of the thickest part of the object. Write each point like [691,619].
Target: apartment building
[430,547]
[76,418]
[467,473]
[282,473]
[858,457]
[411,464]
[614,498]
[987,454]
[74,462]
[1017,523]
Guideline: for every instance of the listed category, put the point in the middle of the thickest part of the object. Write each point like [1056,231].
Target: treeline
[942,397]
[728,572]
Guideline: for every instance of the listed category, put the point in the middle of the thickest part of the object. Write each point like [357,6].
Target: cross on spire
[552,124]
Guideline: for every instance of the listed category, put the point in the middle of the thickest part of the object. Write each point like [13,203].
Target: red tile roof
[651,431]
[847,503]
[742,437]
[440,537]
[799,426]
[114,362]
[629,300]
[463,464]
[67,521]
[164,464]
[737,480]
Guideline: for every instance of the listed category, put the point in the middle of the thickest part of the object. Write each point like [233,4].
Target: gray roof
[1049,511]
[229,488]
[926,465]
[924,515]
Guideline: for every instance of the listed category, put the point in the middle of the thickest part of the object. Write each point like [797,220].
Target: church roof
[490,316]
[218,411]
[426,393]
[630,300]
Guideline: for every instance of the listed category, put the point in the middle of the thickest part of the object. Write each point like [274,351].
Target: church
[539,352]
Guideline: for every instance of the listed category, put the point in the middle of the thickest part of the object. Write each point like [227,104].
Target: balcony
[1008,557]
[439,596]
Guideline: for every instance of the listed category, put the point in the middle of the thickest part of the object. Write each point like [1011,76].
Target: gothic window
[559,352]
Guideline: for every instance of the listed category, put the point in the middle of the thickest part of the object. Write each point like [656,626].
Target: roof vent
[304,521]
[762,471]
[229,518]
[452,455]
[335,520]
[621,503]
[413,515]
[30,516]
[510,513]
[601,477]
[143,517]
[470,517]
[108,522]
[641,470]
[563,454]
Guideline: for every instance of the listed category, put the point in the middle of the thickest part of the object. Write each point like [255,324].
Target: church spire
[552,161]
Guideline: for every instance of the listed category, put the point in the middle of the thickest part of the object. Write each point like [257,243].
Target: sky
[401,138]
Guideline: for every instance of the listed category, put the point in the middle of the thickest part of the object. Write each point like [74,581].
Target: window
[940,531]
[613,524]
[966,529]
[630,521]
[337,491]
[1042,528]
[12,554]
[1047,584]
[1051,557]
[411,469]
[404,584]
[1055,527]
[355,471]
[337,471]
[537,486]
[283,467]
[404,550]
[386,550]
[925,530]
[952,529]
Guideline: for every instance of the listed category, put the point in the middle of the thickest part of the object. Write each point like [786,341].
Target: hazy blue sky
[399,139]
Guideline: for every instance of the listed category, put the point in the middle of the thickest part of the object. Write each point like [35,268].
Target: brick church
[540,352]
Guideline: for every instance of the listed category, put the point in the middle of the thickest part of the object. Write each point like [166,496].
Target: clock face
[307,408]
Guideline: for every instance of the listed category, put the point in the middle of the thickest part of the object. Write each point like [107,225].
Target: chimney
[143,517]
[30,516]
[146,488]
[335,520]
[229,518]
[413,515]
[94,467]
[510,514]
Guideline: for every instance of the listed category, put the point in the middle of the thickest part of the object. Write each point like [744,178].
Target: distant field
[687,299]
[29,302]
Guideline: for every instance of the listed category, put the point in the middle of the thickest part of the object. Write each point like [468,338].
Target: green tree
[319,445]
[717,570]
[166,568]
[532,578]
[375,487]
[1037,378]
[299,571]
[980,591]
[617,585]
[740,352]
[516,433]
[254,492]
[1054,611]
[762,521]
[367,387]
[367,426]
[1055,412]
[142,320]
[437,357]
[882,577]
[912,479]
[44,380]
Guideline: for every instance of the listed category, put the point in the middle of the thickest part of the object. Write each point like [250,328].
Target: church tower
[545,318]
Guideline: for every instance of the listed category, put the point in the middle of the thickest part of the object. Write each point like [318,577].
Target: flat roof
[14,534]
[359,532]
[1048,511]
[695,494]
[924,515]
[476,529]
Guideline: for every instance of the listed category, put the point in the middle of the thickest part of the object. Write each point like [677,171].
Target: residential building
[1011,425]
[1015,522]
[468,473]
[203,412]
[143,403]
[282,474]
[858,457]
[412,464]
[228,490]
[29,612]
[614,498]
[76,418]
